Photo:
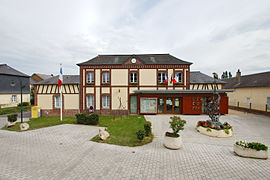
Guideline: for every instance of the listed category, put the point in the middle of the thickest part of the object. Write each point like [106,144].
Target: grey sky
[35,35]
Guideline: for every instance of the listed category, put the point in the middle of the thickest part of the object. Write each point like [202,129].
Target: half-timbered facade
[144,84]
[47,95]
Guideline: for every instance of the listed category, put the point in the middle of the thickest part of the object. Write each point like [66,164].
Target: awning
[170,91]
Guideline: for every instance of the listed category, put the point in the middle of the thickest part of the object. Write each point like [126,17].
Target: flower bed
[206,128]
[253,149]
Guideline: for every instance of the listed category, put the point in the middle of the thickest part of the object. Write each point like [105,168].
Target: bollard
[249,107]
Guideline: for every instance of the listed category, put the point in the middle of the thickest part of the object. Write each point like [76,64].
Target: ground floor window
[105,101]
[89,101]
[57,101]
[14,98]
[268,102]
[133,104]
[148,105]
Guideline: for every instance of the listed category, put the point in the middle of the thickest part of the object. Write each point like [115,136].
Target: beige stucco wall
[115,98]
[148,77]
[170,73]
[132,89]
[71,101]
[97,98]
[6,99]
[97,77]
[45,101]
[89,90]
[119,77]
[148,88]
[258,97]
[105,90]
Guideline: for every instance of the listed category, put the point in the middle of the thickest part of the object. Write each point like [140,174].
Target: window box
[134,84]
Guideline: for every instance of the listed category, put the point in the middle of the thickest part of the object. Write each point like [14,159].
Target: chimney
[238,76]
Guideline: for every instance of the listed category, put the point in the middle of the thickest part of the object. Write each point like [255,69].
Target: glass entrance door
[169,105]
[133,104]
[176,107]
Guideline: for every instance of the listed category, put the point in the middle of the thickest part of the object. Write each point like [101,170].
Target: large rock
[172,142]
[10,124]
[247,152]
[24,126]
[103,134]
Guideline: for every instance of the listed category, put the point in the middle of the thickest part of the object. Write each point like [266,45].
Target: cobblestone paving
[65,152]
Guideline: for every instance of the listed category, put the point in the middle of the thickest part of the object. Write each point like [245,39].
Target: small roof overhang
[180,91]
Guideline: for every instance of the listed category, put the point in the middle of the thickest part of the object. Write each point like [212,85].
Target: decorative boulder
[247,152]
[10,124]
[103,134]
[24,126]
[172,142]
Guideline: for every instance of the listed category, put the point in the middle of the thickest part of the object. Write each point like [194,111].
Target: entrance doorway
[169,105]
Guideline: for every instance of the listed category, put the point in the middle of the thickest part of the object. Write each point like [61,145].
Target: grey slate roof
[67,79]
[43,76]
[7,70]
[144,58]
[196,77]
[180,91]
[252,80]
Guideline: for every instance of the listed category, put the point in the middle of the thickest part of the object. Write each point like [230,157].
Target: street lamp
[12,84]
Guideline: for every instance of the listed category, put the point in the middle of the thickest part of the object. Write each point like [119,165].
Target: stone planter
[214,133]
[247,152]
[172,142]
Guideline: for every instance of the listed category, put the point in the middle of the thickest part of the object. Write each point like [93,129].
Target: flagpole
[61,103]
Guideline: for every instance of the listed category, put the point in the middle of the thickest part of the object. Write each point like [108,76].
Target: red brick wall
[56,112]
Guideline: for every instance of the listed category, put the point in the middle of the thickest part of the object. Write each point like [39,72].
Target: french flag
[166,79]
[60,80]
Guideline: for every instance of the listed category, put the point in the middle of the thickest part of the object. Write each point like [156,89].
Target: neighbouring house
[37,77]
[145,84]
[47,95]
[11,81]
[251,92]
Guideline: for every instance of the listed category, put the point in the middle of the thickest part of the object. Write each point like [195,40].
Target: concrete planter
[247,152]
[214,133]
[172,142]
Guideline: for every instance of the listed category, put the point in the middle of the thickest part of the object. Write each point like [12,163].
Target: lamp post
[12,84]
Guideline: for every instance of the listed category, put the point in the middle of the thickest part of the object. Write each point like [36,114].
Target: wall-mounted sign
[148,105]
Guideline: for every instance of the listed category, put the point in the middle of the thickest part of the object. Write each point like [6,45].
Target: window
[14,98]
[248,101]
[268,102]
[162,76]
[105,101]
[57,101]
[178,77]
[90,77]
[105,77]
[133,77]
[89,101]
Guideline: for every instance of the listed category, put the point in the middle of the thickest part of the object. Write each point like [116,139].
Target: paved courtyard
[65,152]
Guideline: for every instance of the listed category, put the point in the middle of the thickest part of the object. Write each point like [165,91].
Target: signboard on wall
[148,105]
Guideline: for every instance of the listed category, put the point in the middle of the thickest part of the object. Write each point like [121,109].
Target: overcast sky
[216,35]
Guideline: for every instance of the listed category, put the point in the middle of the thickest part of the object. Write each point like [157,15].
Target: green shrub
[87,119]
[227,131]
[23,104]
[12,117]
[147,128]
[140,134]
[208,129]
[252,145]
[177,124]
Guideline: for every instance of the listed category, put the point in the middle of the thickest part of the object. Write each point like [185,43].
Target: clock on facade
[133,60]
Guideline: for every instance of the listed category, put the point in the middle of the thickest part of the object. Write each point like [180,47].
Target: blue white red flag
[166,79]
[60,80]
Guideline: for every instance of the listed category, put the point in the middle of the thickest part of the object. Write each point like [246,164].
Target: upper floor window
[105,77]
[162,78]
[105,101]
[133,77]
[89,101]
[57,101]
[178,77]
[90,77]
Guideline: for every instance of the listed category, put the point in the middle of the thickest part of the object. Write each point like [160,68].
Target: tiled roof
[144,58]
[67,79]
[252,80]
[7,70]
[196,77]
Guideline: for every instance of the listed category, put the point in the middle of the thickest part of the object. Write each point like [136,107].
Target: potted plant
[173,140]
[251,149]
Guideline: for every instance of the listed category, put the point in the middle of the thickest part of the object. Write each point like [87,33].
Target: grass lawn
[123,131]
[10,110]
[43,122]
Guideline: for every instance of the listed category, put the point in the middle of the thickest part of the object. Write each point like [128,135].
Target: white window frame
[105,77]
[14,98]
[181,76]
[105,101]
[90,100]
[90,77]
[162,77]
[57,102]
[132,77]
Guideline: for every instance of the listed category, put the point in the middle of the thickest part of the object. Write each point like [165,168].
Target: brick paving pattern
[65,152]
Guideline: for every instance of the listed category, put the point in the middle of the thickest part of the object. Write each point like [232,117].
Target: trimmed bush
[177,124]
[252,145]
[23,104]
[140,134]
[147,128]
[12,117]
[87,119]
